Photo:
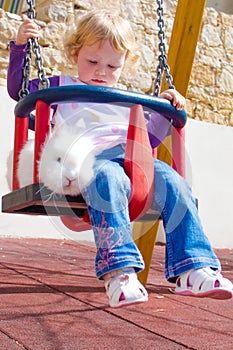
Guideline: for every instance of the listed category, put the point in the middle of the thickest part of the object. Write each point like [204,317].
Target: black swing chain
[162,64]
[34,46]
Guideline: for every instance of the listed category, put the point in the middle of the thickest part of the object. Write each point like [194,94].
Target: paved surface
[51,300]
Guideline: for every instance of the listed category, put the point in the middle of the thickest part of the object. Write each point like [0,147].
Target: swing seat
[32,199]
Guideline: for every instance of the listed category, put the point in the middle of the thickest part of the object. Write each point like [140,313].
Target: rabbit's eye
[59,159]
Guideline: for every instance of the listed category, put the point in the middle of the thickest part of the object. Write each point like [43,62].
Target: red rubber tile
[50,299]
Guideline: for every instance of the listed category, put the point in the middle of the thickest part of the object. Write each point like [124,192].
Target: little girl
[101,48]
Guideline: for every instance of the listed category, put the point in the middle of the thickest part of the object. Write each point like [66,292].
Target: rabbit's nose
[68,181]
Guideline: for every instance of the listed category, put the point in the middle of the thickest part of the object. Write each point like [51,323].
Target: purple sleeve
[15,72]
[158,128]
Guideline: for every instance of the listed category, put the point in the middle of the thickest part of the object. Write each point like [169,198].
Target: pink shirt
[103,125]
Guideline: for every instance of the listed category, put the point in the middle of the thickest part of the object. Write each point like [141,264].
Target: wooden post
[182,47]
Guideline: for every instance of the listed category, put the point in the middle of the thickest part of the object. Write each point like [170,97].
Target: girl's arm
[15,69]
[159,127]
[18,50]
[15,72]
[175,97]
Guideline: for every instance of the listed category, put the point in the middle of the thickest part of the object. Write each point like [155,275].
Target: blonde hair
[101,25]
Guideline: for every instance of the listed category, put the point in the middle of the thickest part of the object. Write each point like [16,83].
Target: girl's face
[100,65]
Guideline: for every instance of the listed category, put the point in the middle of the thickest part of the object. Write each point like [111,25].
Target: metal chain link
[33,45]
[162,64]
[26,71]
[44,82]
[31,12]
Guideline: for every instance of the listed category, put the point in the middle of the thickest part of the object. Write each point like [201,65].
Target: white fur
[25,165]
[66,164]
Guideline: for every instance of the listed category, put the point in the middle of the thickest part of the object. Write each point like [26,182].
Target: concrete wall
[209,171]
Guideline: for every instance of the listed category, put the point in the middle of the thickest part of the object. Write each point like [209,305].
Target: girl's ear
[75,58]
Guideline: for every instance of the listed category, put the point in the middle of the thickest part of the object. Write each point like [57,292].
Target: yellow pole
[145,244]
[182,47]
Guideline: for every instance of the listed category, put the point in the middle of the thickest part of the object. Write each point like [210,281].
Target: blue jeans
[187,247]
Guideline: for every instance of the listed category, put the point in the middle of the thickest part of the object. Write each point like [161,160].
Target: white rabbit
[66,164]
[68,155]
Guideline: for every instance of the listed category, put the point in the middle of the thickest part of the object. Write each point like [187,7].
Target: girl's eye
[92,62]
[112,67]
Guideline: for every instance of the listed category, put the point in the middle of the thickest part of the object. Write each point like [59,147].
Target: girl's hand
[29,29]
[173,95]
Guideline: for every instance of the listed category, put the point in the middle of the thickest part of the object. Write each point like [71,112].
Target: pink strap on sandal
[204,282]
[125,289]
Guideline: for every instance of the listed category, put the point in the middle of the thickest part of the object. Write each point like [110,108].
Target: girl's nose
[100,71]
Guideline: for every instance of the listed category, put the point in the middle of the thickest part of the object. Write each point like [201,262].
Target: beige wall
[221,5]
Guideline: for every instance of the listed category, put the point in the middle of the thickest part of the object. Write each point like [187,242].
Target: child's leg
[187,247]
[118,258]
[107,201]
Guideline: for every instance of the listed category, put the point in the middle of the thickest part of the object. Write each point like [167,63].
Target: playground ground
[51,300]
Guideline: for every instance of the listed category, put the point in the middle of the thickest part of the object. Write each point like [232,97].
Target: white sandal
[125,289]
[206,283]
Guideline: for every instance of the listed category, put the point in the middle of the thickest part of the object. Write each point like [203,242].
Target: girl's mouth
[99,81]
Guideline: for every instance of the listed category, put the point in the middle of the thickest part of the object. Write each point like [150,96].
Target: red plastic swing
[138,155]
